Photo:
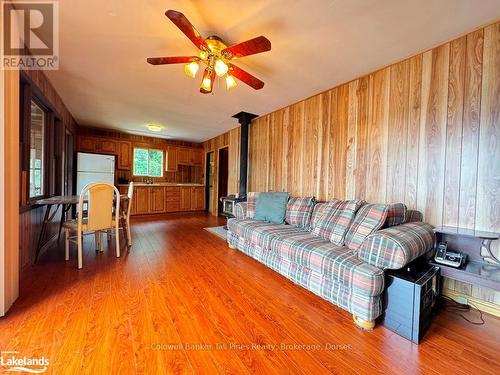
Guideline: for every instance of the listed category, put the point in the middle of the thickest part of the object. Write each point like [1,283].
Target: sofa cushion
[394,247]
[271,207]
[413,216]
[336,220]
[240,210]
[318,211]
[260,232]
[369,218]
[396,215]
[338,263]
[251,200]
[299,210]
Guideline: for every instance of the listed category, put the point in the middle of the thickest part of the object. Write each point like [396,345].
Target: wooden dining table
[64,201]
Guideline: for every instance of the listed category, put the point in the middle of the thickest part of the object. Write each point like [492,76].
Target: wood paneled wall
[31,219]
[230,139]
[40,81]
[425,131]
[9,189]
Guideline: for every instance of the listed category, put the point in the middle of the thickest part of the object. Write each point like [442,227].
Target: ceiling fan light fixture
[207,81]
[191,69]
[221,68]
[230,82]
[203,55]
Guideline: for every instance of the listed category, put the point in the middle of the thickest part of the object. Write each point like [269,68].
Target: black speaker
[411,299]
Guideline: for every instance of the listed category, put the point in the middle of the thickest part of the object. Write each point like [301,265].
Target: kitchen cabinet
[124,155]
[157,199]
[192,198]
[198,198]
[171,154]
[190,156]
[197,156]
[186,198]
[122,149]
[87,144]
[160,199]
[141,198]
[107,146]
[173,198]
[95,144]
[183,155]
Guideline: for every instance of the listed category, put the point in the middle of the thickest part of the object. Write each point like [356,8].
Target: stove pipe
[244,118]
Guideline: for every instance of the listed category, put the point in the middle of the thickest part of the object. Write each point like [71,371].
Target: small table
[66,201]
[483,267]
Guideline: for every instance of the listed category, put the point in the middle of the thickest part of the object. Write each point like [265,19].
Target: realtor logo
[30,34]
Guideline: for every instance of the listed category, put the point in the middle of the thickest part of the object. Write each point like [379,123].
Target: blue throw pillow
[271,207]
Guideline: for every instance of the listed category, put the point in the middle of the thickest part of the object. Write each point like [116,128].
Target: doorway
[222,176]
[210,173]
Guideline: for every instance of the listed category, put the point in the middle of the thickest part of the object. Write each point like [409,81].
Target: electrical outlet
[463,300]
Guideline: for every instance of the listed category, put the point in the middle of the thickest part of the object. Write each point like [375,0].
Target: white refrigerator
[94,168]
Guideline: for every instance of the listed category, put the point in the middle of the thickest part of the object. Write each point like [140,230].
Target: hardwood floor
[182,302]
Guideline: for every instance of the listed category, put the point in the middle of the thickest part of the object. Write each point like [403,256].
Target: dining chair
[99,197]
[126,218]
[124,222]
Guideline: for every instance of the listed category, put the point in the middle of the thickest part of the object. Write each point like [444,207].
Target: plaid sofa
[351,277]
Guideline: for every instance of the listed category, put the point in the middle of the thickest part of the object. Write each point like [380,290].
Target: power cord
[457,307]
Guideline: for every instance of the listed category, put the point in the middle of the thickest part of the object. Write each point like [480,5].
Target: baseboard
[484,306]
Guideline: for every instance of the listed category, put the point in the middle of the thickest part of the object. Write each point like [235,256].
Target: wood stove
[229,205]
[229,202]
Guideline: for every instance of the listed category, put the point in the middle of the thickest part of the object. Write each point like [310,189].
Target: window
[148,163]
[37,150]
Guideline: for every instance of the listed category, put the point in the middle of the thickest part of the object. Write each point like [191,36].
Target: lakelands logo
[13,362]
[30,34]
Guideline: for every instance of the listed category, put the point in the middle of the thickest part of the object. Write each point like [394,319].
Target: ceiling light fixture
[207,81]
[220,68]
[155,128]
[192,68]
[230,82]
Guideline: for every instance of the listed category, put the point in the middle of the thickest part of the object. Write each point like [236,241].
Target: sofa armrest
[394,247]
[240,210]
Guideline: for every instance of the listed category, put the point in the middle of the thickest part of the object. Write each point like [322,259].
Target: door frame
[207,182]
[217,170]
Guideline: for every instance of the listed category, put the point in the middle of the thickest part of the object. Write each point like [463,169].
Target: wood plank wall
[30,220]
[230,139]
[424,131]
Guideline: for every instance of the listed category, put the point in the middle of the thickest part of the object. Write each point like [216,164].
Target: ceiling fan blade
[245,77]
[187,28]
[171,60]
[250,47]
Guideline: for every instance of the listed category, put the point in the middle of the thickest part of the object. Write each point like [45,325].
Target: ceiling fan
[215,55]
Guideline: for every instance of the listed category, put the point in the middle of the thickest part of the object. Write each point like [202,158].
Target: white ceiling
[317,44]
